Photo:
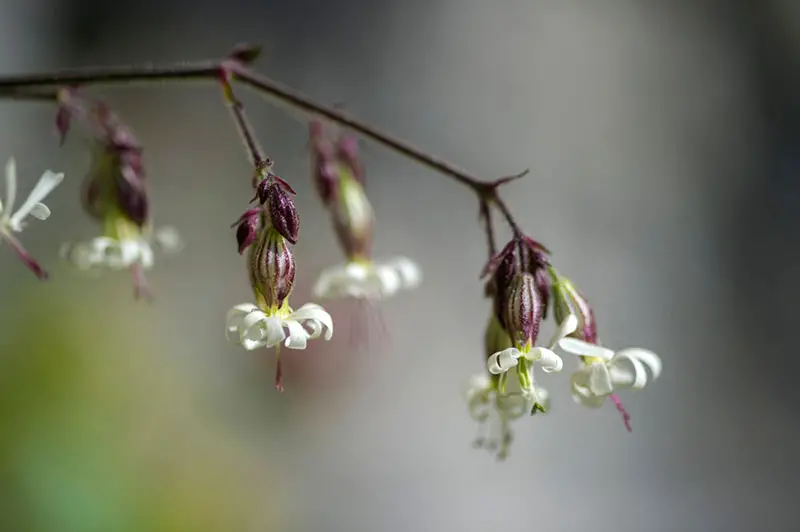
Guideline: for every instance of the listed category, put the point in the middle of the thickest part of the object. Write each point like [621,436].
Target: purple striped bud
[567,300]
[271,268]
[347,153]
[280,208]
[247,228]
[524,310]
[521,255]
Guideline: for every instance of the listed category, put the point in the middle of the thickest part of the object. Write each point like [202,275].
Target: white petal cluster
[607,371]
[501,362]
[120,254]
[251,327]
[11,221]
[368,280]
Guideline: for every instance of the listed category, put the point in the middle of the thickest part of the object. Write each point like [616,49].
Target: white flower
[606,371]
[501,362]
[119,254]
[32,205]
[253,328]
[13,222]
[494,412]
[368,279]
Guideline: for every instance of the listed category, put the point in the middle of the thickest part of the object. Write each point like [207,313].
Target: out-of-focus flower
[14,221]
[368,280]
[494,413]
[606,371]
[114,193]
[122,252]
[339,178]
[494,405]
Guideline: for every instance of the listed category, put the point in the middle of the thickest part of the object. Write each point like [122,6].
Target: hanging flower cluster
[267,233]
[338,174]
[114,193]
[521,283]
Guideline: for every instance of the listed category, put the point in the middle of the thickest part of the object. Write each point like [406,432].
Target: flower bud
[521,255]
[281,209]
[271,268]
[247,228]
[352,218]
[567,300]
[524,310]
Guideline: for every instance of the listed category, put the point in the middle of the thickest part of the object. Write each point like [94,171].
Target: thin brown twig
[35,87]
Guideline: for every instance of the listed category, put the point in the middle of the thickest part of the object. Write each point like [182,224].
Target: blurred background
[662,139]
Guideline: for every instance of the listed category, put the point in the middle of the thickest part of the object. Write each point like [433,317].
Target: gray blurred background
[662,139]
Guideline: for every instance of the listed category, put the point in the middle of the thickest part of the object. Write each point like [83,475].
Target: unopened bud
[280,208]
[567,300]
[247,228]
[520,255]
[272,268]
[524,310]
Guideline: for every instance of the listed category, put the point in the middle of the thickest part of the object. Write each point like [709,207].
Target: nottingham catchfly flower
[339,179]
[115,194]
[14,221]
[267,232]
[602,371]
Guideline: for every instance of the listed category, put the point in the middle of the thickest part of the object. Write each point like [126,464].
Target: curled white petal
[316,318]
[40,211]
[297,337]
[581,348]
[549,361]
[638,370]
[46,184]
[502,361]
[647,357]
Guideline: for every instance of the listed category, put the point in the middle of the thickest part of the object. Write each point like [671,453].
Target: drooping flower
[493,409]
[339,178]
[267,232]
[114,193]
[606,371]
[524,358]
[602,371]
[367,279]
[14,221]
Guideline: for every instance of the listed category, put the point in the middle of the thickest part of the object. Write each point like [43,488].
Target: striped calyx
[271,268]
[524,310]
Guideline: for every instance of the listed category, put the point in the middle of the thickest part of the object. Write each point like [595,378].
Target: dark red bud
[247,229]
[282,211]
[132,195]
